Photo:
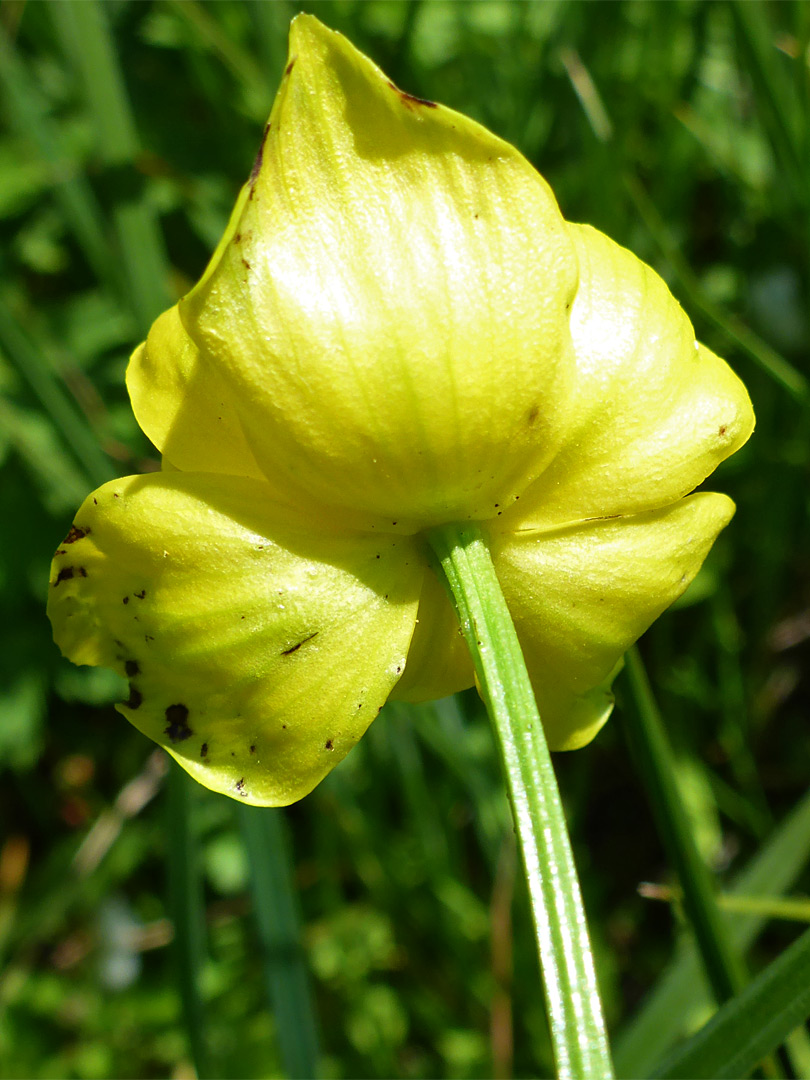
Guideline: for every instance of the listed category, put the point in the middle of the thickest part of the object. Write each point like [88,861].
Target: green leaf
[658,769]
[275,905]
[751,1025]
[187,909]
[84,33]
[681,994]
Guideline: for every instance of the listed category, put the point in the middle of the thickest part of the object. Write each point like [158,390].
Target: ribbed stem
[572,998]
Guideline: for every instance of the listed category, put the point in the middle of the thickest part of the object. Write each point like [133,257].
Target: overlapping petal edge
[265,596]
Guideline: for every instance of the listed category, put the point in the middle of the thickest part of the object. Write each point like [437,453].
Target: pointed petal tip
[399,295]
[331,64]
[305,27]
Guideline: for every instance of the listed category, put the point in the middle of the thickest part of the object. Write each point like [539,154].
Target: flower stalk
[572,997]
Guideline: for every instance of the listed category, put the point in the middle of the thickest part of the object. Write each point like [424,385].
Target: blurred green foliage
[681,129]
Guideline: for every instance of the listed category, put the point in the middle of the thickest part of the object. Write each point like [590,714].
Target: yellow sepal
[580,595]
[259,646]
[183,404]
[653,413]
[391,309]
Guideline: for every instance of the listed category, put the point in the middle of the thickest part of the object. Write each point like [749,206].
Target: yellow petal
[439,662]
[184,406]
[653,412]
[581,595]
[258,646]
[391,306]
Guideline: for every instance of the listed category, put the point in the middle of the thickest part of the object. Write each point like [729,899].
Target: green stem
[572,997]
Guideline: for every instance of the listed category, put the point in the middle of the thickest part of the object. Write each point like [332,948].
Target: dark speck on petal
[410,100]
[297,646]
[177,723]
[76,533]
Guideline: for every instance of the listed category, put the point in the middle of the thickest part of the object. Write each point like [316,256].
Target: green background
[682,130]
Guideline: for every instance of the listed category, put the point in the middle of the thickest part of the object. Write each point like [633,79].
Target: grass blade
[778,106]
[240,63]
[678,996]
[752,1025]
[80,210]
[33,369]
[187,912]
[441,729]
[657,768]
[768,359]
[275,908]
[85,34]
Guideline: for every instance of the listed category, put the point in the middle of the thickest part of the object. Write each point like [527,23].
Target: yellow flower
[398,330]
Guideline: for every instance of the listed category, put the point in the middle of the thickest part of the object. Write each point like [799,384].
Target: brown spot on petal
[329,745]
[290,66]
[204,750]
[303,641]
[76,533]
[135,698]
[253,749]
[531,416]
[132,668]
[257,164]
[722,430]
[177,723]
[240,787]
[410,100]
[141,595]
[68,572]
